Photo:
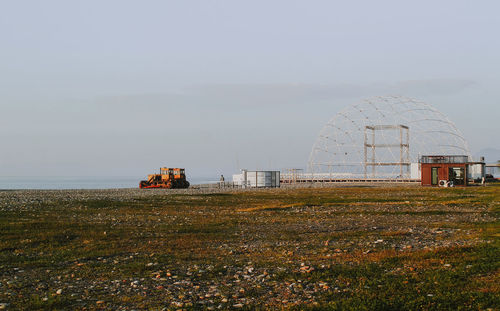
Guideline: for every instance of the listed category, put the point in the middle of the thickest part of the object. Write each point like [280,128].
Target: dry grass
[399,248]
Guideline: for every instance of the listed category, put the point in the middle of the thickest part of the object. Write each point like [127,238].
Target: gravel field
[15,199]
[340,247]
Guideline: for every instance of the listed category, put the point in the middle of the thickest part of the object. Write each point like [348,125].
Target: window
[434,175]
[456,175]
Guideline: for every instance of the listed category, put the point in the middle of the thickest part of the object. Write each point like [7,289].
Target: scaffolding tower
[370,147]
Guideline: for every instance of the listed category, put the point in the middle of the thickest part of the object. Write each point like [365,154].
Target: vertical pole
[401,152]
[373,153]
[408,151]
[366,156]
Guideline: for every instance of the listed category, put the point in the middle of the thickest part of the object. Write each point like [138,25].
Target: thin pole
[366,156]
[401,152]
[373,153]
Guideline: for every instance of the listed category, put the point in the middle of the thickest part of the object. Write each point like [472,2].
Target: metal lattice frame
[370,148]
[383,135]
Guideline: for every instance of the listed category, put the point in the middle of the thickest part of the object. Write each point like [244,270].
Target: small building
[257,179]
[447,170]
[477,170]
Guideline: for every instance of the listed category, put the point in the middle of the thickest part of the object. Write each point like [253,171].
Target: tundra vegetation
[338,248]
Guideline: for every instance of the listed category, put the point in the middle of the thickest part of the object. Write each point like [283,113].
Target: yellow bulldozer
[169,178]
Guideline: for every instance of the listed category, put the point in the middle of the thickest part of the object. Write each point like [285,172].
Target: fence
[219,185]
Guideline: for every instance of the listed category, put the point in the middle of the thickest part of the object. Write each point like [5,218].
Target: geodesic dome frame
[380,138]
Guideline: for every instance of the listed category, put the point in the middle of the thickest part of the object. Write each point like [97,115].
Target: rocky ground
[392,247]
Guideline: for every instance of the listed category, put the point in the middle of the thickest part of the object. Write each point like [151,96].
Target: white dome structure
[380,138]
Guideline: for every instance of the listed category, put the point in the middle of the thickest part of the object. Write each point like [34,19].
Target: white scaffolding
[370,149]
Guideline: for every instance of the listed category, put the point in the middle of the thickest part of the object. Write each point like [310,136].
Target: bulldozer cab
[175,172]
[166,171]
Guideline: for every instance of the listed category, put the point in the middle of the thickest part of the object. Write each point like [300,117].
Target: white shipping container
[257,179]
[476,171]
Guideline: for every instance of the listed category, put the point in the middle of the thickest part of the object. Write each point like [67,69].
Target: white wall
[258,179]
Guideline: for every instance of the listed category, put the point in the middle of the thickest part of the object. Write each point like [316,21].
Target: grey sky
[123,87]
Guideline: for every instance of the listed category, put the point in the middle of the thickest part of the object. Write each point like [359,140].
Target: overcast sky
[123,87]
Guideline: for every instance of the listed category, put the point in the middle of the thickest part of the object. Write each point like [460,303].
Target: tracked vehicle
[169,178]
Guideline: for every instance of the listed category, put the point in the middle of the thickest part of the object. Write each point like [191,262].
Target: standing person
[222,181]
